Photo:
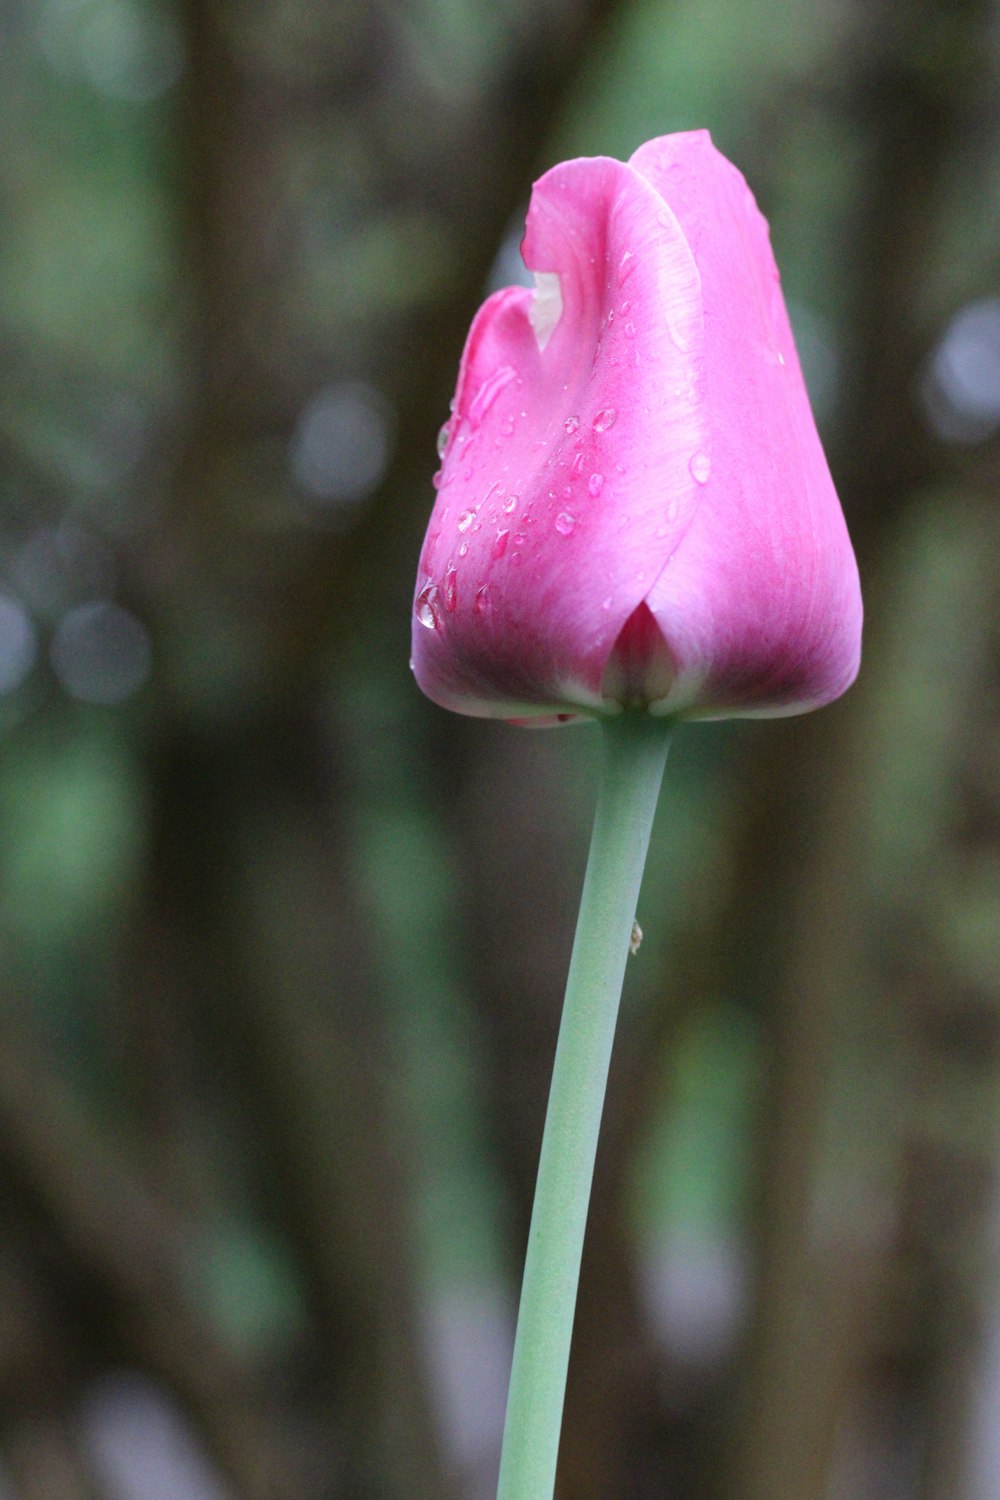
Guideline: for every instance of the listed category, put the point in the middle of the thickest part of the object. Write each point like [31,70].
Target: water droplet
[463,549]
[565,524]
[451,589]
[611,315]
[570,425]
[626,305]
[701,467]
[519,539]
[438,479]
[500,544]
[578,462]
[515,557]
[781,358]
[626,266]
[605,419]
[568,492]
[466,519]
[678,334]
[510,505]
[595,484]
[428,606]
[488,393]
[442,439]
[481,602]
[630,330]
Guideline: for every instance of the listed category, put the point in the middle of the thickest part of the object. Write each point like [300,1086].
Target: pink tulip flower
[634,507]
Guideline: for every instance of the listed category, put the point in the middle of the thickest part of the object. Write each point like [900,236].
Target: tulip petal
[760,603]
[570,473]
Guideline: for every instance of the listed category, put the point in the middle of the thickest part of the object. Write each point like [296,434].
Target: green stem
[635,752]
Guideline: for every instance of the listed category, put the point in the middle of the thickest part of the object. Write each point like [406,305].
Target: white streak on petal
[546,305]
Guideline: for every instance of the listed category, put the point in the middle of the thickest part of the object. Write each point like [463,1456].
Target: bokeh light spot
[17,644]
[101,653]
[341,444]
[961,389]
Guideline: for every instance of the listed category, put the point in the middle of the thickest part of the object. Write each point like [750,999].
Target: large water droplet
[466,519]
[605,419]
[488,393]
[570,425]
[595,484]
[451,588]
[500,545]
[565,524]
[428,606]
[701,467]
[442,439]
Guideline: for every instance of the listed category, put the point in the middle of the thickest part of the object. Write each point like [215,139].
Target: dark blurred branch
[125,1245]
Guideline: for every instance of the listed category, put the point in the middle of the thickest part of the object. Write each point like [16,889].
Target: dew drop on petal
[466,519]
[510,505]
[625,266]
[481,602]
[605,419]
[488,393]
[463,549]
[565,524]
[451,589]
[678,334]
[630,330]
[442,439]
[570,425]
[428,606]
[701,467]
[578,462]
[595,484]
[500,545]
[520,539]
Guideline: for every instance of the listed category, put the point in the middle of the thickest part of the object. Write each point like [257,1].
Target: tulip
[634,507]
[634,522]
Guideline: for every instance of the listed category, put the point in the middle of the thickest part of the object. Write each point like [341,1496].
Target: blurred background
[282,945]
